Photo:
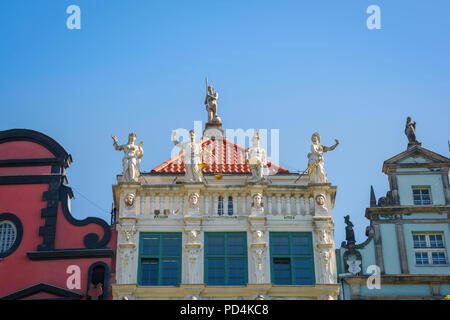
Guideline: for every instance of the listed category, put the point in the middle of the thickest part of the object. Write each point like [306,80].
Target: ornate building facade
[406,254]
[219,221]
[45,253]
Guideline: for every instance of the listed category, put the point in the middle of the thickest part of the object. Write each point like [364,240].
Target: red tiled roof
[227,157]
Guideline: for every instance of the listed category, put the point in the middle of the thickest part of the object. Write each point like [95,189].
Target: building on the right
[406,253]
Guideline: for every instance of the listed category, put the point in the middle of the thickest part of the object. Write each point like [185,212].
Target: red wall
[17,271]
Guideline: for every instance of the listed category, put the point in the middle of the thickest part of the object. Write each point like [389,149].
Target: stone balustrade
[221,203]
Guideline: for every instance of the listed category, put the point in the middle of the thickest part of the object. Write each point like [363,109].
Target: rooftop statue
[316,172]
[211,104]
[193,154]
[410,132]
[349,233]
[257,160]
[132,157]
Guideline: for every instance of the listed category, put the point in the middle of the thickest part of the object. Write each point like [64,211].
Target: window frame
[292,256]
[220,206]
[226,257]
[230,209]
[13,219]
[160,256]
[421,199]
[429,250]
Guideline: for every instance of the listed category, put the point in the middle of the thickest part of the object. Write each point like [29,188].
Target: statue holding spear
[211,104]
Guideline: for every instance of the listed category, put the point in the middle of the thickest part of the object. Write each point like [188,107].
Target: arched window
[97,288]
[230,206]
[220,206]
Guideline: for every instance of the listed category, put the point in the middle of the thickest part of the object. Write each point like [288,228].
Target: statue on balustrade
[316,172]
[132,157]
[193,154]
[257,160]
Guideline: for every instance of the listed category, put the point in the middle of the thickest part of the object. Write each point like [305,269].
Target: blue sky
[296,66]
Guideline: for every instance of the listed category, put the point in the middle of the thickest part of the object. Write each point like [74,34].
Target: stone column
[127,257]
[152,204]
[259,262]
[206,196]
[279,204]
[287,198]
[193,239]
[324,254]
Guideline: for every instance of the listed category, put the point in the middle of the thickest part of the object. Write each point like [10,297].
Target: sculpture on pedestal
[257,160]
[211,104]
[316,172]
[410,132]
[132,157]
[349,233]
[193,154]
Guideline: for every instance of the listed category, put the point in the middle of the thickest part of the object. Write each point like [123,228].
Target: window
[160,259]
[226,259]
[8,233]
[292,261]
[429,249]
[422,195]
[220,206]
[11,232]
[230,206]
[97,288]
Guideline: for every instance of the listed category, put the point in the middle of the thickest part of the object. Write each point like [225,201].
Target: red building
[45,253]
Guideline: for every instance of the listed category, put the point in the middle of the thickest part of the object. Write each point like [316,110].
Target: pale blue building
[406,254]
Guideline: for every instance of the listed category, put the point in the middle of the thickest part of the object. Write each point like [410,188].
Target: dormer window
[421,195]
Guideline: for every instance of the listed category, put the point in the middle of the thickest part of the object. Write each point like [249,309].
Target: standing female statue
[410,131]
[257,160]
[132,157]
[316,172]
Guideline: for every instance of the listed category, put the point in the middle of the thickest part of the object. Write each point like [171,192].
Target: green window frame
[160,258]
[226,261]
[291,258]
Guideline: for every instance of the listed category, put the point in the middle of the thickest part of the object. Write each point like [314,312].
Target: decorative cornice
[406,209]
[70,254]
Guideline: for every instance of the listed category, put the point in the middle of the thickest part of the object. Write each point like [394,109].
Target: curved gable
[29,144]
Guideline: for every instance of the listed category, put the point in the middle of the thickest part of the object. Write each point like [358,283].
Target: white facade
[161,204]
